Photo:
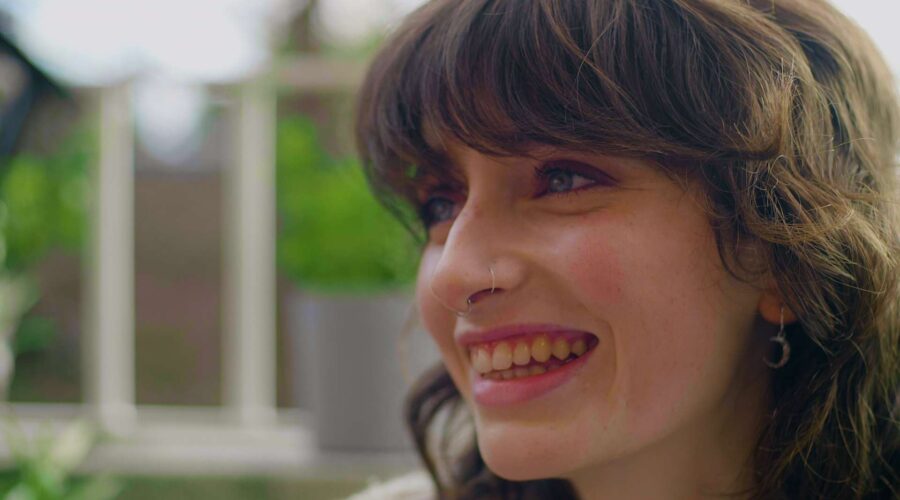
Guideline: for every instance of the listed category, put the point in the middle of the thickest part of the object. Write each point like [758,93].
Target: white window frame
[248,434]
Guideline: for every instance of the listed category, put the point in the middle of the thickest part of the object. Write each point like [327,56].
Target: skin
[669,404]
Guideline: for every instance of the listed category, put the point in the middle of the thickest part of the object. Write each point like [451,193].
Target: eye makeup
[551,178]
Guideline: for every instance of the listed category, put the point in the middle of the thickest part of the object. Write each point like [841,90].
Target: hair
[783,111]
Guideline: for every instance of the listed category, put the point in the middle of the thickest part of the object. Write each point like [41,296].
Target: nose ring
[465,313]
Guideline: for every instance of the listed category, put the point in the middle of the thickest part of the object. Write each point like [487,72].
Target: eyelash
[543,172]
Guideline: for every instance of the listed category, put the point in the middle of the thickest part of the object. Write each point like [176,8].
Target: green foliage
[334,235]
[43,205]
[43,465]
[43,202]
[35,334]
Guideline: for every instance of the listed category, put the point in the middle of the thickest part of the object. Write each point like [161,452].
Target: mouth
[516,364]
[528,355]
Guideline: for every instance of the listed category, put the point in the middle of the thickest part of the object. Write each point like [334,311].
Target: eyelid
[440,191]
[450,191]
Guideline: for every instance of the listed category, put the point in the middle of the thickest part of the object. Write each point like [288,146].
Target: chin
[519,452]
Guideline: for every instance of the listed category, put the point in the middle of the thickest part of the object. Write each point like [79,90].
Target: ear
[771,303]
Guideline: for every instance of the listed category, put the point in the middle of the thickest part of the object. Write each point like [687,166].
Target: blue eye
[566,178]
[560,180]
[437,209]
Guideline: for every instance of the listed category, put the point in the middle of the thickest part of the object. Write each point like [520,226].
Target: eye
[562,180]
[437,209]
[567,177]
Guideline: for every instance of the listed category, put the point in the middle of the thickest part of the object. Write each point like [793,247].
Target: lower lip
[488,392]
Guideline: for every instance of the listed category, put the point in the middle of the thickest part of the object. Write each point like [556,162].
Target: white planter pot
[349,370]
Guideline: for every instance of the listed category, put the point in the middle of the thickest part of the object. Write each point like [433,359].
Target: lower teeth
[525,371]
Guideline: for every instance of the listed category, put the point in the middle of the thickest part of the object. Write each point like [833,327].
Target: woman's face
[596,255]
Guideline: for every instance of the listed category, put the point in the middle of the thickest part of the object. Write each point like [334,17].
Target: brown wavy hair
[783,110]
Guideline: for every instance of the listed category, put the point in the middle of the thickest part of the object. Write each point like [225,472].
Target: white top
[416,485]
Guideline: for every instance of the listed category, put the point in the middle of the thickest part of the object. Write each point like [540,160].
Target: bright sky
[93,41]
[175,47]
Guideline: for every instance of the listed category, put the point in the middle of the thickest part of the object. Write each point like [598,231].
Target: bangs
[637,79]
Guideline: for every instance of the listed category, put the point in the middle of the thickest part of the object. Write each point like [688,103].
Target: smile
[528,355]
[519,363]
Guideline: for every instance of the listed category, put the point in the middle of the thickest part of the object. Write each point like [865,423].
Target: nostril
[475,297]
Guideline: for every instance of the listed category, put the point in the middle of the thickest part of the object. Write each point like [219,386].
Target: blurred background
[199,298]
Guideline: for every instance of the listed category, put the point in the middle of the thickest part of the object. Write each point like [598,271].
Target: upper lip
[470,337]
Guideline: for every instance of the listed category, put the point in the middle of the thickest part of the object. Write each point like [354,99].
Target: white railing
[248,434]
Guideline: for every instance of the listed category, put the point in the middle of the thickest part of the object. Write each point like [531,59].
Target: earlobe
[770,306]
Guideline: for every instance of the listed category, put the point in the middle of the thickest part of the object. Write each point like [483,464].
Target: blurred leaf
[334,235]
[42,464]
[43,201]
[21,491]
[27,193]
[72,446]
[35,333]
[98,488]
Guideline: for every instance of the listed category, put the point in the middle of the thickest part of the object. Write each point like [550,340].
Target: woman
[659,246]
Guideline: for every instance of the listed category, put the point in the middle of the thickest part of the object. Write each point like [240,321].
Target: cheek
[689,344]
[667,309]
[593,267]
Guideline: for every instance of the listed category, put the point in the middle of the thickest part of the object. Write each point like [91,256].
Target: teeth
[512,360]
[579,347]
[521,354]
[502,358]
[481,361]
[540,349]
[561,349]
[516,373]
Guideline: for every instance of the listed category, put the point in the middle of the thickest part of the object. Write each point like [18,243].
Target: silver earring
[783,343]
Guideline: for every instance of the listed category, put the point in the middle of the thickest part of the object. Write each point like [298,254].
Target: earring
[783,343]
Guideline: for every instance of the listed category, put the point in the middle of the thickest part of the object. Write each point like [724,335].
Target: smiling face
[605,250]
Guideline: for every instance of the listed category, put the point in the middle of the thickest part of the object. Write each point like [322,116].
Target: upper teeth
[520,352]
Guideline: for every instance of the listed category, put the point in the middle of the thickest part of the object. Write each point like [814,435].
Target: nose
[477,260]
